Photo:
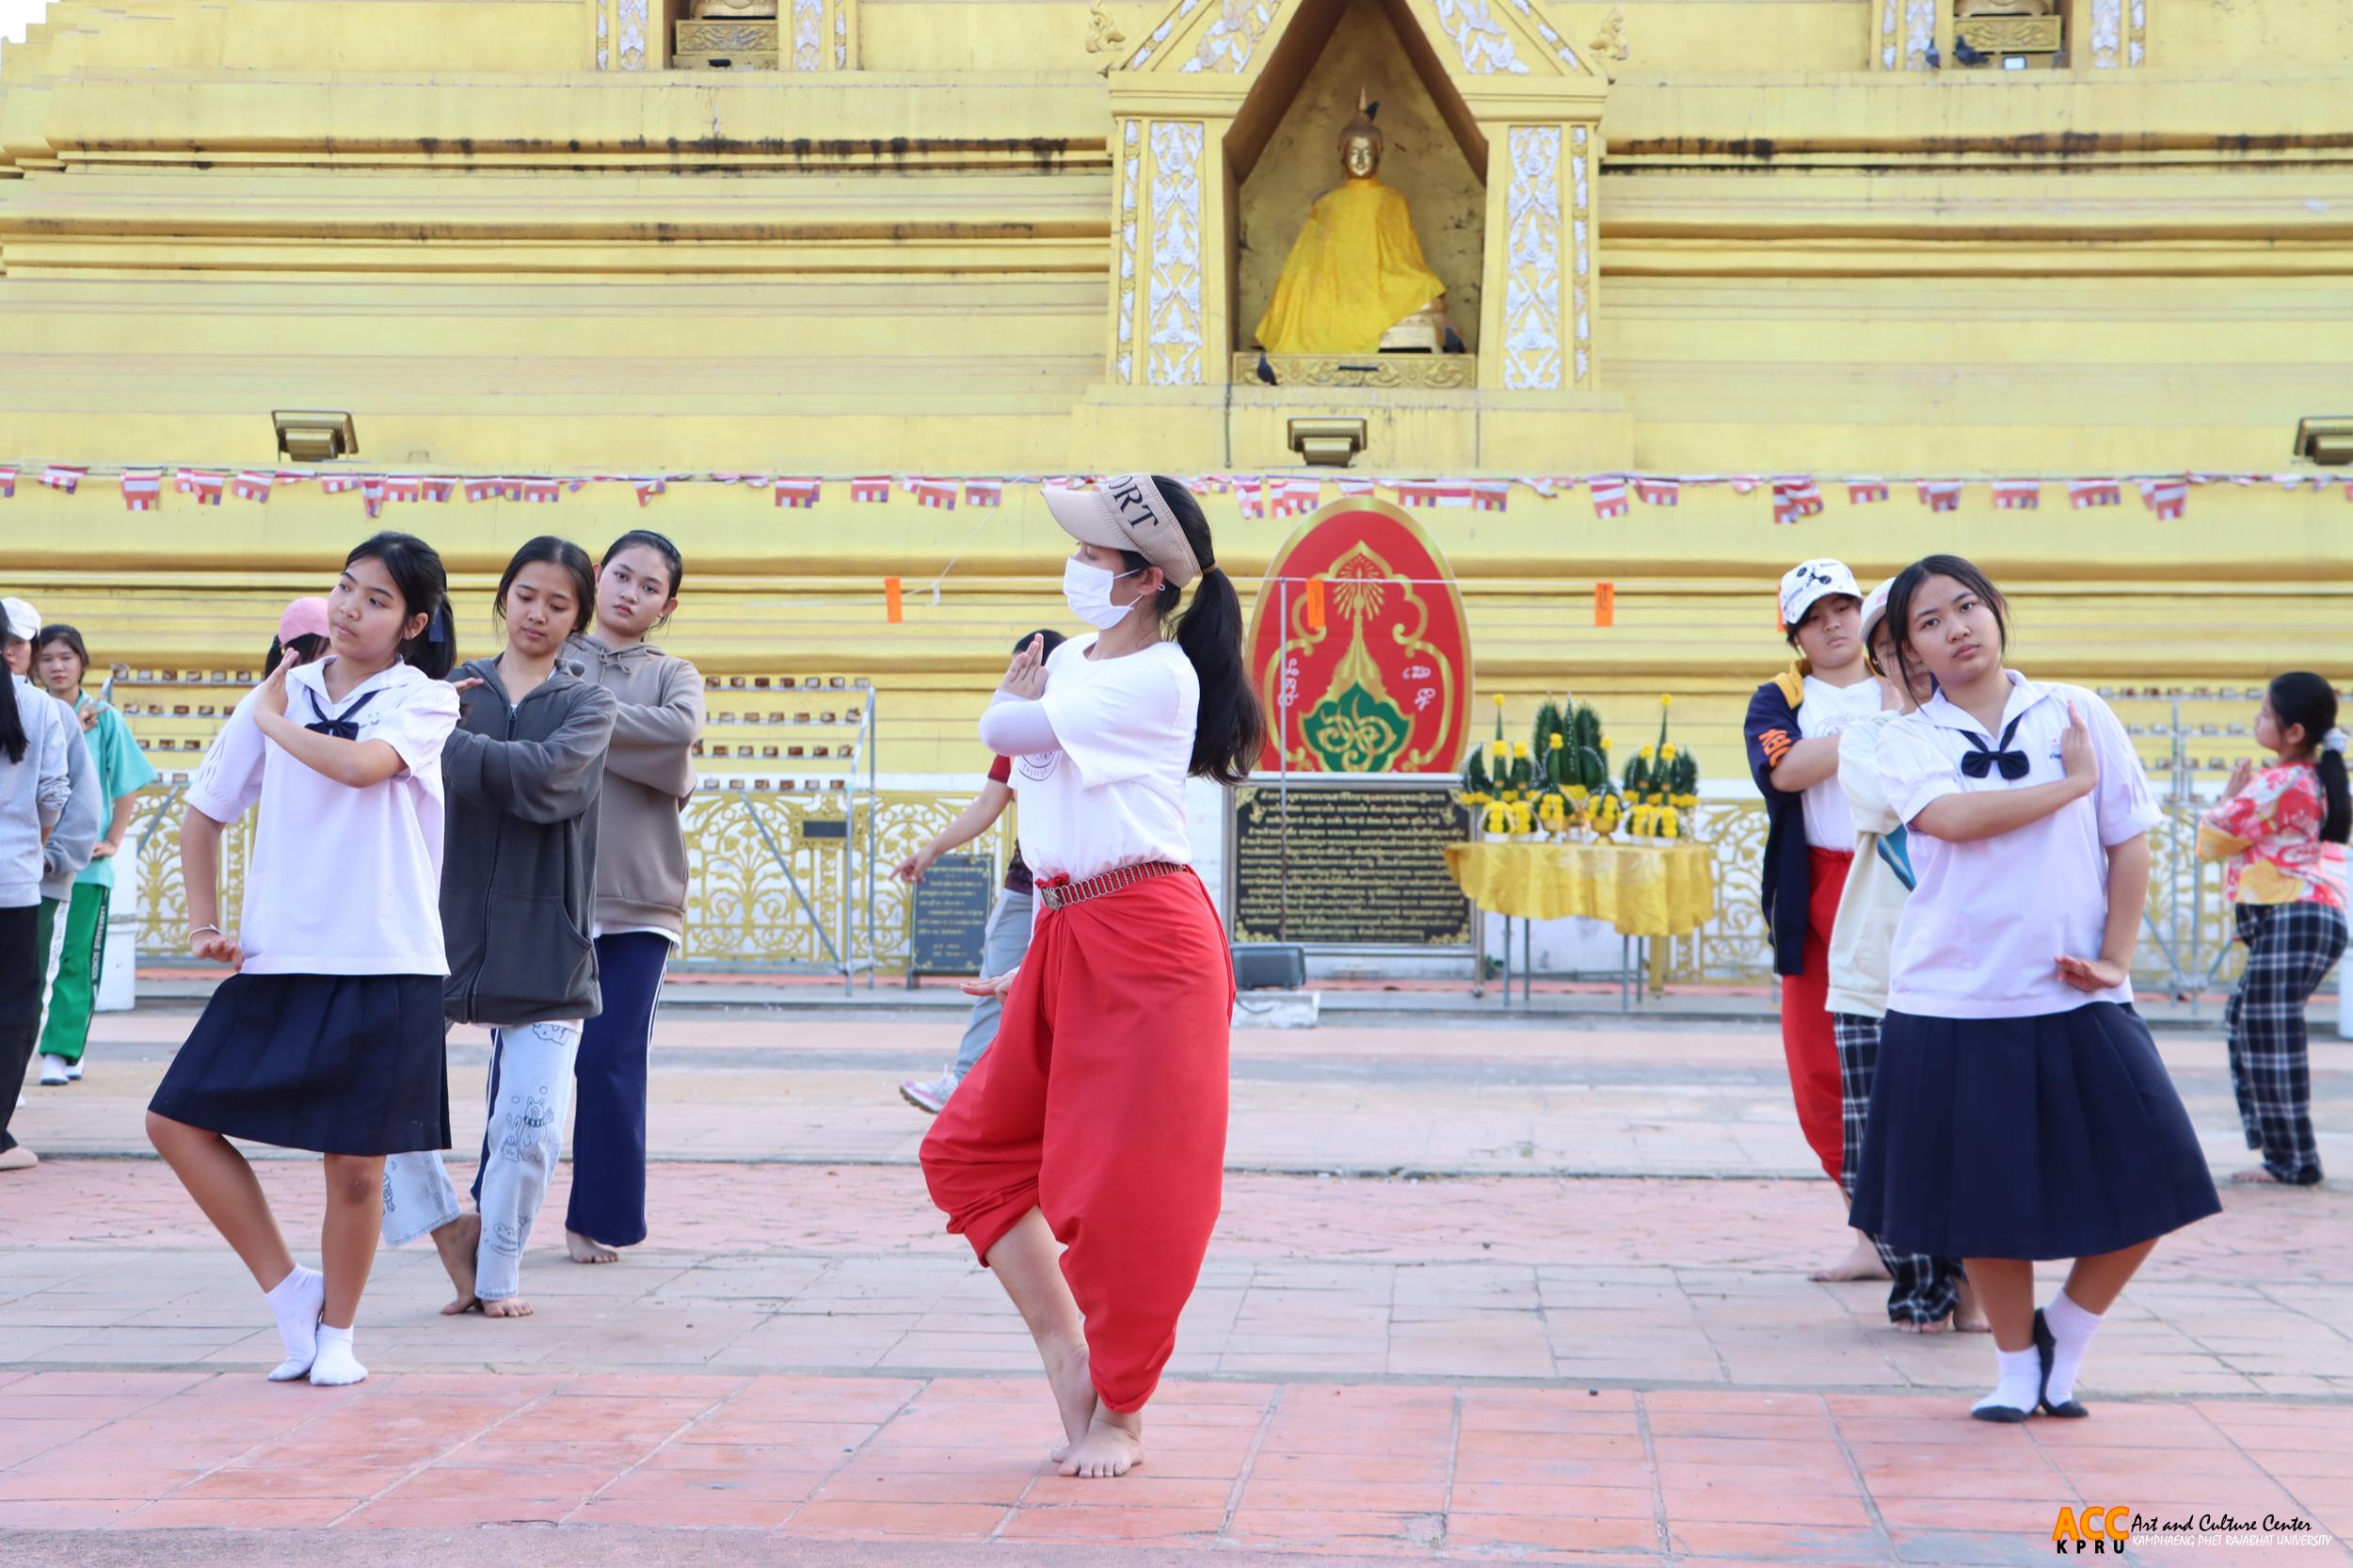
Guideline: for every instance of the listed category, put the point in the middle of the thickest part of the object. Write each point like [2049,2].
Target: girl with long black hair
[35,786]
[328,1036]
[1084,1159]
[2019,1111]
[2270,830]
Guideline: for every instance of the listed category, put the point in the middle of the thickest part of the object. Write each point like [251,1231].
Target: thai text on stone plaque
[948,916]
[1361,865]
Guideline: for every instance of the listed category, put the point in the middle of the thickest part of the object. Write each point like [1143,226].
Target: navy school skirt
[2049,1137]
[331,1062]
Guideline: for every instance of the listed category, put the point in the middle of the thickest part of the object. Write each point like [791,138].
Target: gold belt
[1061,894]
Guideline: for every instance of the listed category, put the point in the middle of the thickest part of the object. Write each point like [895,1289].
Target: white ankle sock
[2021,1378]
[2072,1329]
[336,1365]
[296,1303]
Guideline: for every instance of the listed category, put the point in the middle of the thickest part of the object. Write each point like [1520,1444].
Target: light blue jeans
[531,1088]
[1004,941]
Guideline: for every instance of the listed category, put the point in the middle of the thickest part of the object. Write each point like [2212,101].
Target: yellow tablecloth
[1661,891]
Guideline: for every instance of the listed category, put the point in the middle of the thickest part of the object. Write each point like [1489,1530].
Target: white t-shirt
[1827,711]
[342,881]
[1987,921]
[1115,794]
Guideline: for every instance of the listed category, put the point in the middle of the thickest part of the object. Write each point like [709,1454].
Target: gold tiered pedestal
[1644,891]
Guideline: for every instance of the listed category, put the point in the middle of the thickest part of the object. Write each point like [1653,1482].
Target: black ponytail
[415,569]
[12,737]
[2301,697]
[1229,735]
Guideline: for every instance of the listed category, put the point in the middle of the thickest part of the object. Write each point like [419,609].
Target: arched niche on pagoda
[1200,96]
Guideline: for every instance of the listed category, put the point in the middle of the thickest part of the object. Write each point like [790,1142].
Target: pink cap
[304,618]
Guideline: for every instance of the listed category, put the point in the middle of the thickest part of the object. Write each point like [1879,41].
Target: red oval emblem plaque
[1360,648]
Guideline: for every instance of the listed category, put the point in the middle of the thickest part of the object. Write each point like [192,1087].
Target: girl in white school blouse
[328,1036]
[2020,1111]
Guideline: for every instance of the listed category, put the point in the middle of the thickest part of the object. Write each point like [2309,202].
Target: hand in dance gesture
[999,985]
[2091,975]
[2076,757]
[1025,678]
[221,948]
[2241,777]
[272,692]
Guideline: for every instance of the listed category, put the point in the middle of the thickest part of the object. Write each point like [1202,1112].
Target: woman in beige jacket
[1928,1294]
[640,882]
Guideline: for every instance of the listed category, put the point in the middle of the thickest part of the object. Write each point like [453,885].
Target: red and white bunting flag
[1865,493]
[286,477]
[206,487]
[938,494]
[1490,495]
[1659,492]
[984,492]
[402,488]
[871,490]
[1250,497]
[2093,492]
[252,485]
[1744,484]
[648,488]
[1294,498]
[336,484]
[59,477]
[1547,486]
[1417,493]
[1608,495]
[436,490]
[482,490]
[374,489]
[8,483]
[142,489]
[1355,488]
[1454,495]
[1785,512]
[2017,495]
[1941,495]
[1798,494]
[541,493]
[2167,498]
[799,494]
[2291,481]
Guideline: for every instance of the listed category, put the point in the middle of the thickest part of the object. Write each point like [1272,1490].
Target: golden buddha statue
[1355,281]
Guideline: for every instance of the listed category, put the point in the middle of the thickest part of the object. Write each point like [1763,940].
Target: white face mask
[1087,590]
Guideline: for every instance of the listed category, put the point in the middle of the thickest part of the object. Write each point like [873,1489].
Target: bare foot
[1969,1317]
[2255,1176]
[513,1307]
[1074,1395]
[587,1249]
[1860,1262]
[1113,1446]
[1940,1325]
[456,1242]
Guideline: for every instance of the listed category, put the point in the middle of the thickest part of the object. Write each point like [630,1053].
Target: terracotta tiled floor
[1622,1368]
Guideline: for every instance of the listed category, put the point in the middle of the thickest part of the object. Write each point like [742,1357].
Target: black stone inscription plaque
[1362,865]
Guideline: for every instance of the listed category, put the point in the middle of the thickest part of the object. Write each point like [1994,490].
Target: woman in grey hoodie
[35,785]
[524,772]
[640,882]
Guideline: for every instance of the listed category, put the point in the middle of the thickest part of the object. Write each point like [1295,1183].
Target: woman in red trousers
[1085,1158]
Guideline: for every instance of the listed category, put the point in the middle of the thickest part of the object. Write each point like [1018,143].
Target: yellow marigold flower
[1667,754]
[1666,699]
[1519,750]
[1644,754]
[1557,742]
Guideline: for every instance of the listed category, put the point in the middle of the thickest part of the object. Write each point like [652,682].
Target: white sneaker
[74,1072]
[930,1098]
[53,1071]
[19,1159]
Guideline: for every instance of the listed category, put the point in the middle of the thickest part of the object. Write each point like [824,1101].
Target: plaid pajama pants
[2290,948]
[1925,1290]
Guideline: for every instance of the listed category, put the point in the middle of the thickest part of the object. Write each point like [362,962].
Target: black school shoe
[2008,1416]
[2044,1347]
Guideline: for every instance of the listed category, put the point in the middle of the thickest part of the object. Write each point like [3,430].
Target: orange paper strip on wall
[1313,606]
[1605,604]
[891,610]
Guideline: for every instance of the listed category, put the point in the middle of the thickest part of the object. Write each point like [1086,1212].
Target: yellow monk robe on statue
[1356,270]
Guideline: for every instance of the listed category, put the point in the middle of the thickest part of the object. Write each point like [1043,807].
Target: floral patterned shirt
[2267,837]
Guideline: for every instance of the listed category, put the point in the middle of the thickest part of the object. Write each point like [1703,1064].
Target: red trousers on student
[1102,1104]
[1806,1037]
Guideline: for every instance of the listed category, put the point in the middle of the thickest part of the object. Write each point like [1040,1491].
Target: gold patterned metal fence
[742,911]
